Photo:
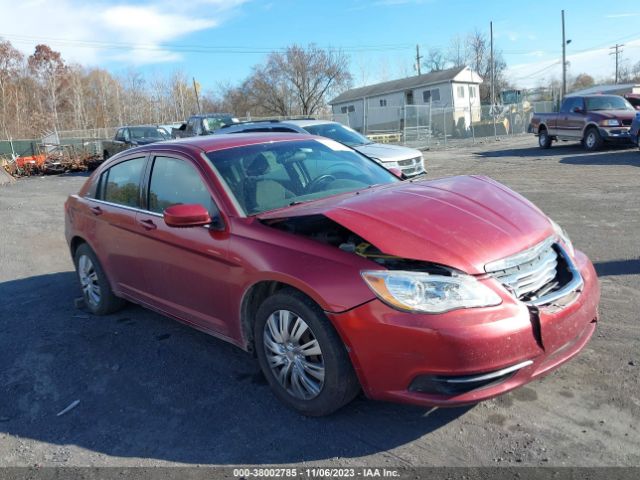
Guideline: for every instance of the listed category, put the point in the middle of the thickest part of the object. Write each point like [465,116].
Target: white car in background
[409,160]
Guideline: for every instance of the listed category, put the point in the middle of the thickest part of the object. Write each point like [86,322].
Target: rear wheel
[592,140]
[544,140]
[302,356]
[97,293]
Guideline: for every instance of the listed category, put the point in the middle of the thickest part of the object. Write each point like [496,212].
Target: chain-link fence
[425,125]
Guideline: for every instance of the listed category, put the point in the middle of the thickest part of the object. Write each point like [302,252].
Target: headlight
[562,235]
[421,292]
[610,123]
[390,164]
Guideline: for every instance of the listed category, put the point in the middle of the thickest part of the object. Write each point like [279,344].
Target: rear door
[186,268]
[114,233]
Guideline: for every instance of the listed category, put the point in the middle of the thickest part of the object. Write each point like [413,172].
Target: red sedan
[336,274]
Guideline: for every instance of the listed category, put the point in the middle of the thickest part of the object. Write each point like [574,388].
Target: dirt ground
[154,392]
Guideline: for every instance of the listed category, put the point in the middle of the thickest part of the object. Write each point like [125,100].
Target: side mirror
[397,172]
[188,215]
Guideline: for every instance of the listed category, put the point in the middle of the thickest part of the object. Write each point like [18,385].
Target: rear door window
[121,183]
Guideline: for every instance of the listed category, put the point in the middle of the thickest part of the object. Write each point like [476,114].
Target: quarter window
[121,183]
[175,182]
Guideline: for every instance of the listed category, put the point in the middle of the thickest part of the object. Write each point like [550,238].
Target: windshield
[339,133]
[214,123]
[607,102]
[139,133]
[277,174]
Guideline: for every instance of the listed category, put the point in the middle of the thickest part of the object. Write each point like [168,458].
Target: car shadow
[626,157]
[151,387]
[575,150]
[617,267]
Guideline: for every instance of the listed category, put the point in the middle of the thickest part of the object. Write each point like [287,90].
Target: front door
[186,268]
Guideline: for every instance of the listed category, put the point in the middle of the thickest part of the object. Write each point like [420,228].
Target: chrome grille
[529,274]
[410,166]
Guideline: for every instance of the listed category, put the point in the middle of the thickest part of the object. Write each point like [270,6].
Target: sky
[218,41]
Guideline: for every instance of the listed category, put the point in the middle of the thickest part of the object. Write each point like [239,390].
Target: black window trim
[95,191]
[146,184]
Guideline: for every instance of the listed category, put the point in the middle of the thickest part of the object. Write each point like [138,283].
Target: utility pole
[418,58]
[195,89]
[564,60]
[617,52]
[493,83]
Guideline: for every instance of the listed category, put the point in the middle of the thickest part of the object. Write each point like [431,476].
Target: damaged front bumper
[465,356]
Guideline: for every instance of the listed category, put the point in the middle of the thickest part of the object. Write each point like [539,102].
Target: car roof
[212,143]
[307,123]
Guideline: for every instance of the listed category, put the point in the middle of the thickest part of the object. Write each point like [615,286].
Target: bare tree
[457,52]
[435,60]
[313,73]
[11,61]
[48,67]
[480,61]
[582,81]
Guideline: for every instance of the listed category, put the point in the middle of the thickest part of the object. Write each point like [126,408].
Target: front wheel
[544,140]
[592,140]
[302,356]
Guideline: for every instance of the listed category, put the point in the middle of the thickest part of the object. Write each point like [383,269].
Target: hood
[388,153]
[462,222]
[614,114]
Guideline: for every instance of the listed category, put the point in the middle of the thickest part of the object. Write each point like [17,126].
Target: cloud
[124,32]
[622,15]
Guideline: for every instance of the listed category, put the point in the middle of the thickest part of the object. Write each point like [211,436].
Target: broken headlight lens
[563,237]
[425,293]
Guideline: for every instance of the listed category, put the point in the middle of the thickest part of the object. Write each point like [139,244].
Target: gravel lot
[154,392]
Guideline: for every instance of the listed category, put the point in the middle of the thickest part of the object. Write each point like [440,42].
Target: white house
[454,93]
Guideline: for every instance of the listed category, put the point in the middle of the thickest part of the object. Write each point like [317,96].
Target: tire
[328,381]
[96,290]
[544,140]
[592,140]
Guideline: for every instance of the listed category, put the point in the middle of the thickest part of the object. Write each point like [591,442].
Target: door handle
[148,224]
[96,210]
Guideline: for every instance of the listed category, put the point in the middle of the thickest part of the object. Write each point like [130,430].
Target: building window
[431,95]
[461,91]
[383,102]
[351,108]
[472,91]
[343,109]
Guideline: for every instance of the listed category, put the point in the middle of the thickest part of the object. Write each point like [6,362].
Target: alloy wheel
[89,280]
[294,355]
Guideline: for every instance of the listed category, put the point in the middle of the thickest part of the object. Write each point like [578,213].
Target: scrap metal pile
[52,159]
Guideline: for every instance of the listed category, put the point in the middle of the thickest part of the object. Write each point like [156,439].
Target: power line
[198,48]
